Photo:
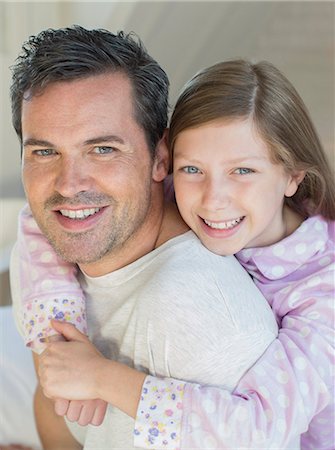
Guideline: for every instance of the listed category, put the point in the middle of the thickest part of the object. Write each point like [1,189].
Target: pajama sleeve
[274,402]
[169,189]
[49,287]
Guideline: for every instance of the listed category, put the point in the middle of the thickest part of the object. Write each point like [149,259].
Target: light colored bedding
[17,385]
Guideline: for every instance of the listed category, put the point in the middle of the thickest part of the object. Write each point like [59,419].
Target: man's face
[87,169]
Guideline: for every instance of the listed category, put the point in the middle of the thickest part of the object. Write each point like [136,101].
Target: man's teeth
[223,225]
[79,213]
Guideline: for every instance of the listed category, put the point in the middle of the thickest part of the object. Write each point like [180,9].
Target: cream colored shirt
[179,311]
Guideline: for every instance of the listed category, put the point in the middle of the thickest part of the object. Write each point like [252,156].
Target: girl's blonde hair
[240,90]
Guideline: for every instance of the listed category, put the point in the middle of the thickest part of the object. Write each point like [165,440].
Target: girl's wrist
[119,385]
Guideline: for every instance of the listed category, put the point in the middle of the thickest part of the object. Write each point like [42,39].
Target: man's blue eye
[190,169]
[103,150]
[44,152]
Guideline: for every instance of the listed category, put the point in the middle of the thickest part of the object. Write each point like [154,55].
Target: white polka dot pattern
[49,287]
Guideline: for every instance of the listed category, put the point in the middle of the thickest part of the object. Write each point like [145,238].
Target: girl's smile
[221,229]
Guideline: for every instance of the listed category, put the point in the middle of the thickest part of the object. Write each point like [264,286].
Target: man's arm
[52,429]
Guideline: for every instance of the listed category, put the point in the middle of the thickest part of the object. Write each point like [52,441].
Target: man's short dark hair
[74,53]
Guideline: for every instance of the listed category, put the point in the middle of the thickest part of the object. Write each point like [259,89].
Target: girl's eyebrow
[248,158]
[187,160]
[230,161]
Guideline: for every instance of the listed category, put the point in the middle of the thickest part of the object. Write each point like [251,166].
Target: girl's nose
[216,195]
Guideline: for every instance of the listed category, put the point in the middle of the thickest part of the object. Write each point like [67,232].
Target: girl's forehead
[226,143]
[238,136]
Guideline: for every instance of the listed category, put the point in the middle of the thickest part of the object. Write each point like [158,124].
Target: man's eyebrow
[32,142]
[104,139]
[36,143]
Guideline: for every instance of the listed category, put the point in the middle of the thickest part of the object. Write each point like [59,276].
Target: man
[90,108]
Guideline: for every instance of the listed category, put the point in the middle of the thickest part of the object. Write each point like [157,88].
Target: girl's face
[228,190]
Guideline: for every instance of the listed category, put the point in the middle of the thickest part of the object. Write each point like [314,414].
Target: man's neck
[172,224]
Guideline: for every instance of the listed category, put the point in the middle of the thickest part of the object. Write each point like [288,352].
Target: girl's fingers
[61,406]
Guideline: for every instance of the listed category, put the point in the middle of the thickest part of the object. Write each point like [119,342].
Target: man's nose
[73,177]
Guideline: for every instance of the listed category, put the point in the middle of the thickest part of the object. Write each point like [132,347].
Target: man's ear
[293,183]
[161,162]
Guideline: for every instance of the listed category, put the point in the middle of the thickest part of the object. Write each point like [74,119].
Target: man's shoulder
[187,245]
[184,257]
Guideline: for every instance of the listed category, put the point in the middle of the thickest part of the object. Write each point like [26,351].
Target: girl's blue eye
[190,169]
[243,171]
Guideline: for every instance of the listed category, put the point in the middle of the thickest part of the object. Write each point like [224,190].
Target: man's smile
[79,213]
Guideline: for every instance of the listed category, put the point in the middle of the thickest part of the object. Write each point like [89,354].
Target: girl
[251,179]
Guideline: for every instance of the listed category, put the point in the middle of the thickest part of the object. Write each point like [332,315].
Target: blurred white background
[298,37]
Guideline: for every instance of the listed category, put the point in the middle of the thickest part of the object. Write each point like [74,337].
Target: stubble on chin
[81,248]
[109,238]
[76,247]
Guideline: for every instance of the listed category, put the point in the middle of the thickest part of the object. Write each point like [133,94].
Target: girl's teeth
[223,225]
[79,213]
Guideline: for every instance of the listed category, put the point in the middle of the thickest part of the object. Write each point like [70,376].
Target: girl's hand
[70,369]
[76,370]
[84,412]
[61,405]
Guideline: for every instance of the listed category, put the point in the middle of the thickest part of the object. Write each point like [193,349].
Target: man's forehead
[83,109]
[80,114]
[102,97]
[111,80]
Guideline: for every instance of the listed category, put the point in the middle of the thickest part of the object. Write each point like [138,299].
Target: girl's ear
[294,180]
[161,162]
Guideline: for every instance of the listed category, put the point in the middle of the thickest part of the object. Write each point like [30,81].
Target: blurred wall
[298,37]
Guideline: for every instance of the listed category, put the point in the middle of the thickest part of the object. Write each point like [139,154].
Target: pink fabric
[290,390]
[169,189]
[159,415]
[49,285]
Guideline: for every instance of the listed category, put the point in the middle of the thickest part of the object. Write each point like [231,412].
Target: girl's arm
[274,402]
[49,287]
[52,430]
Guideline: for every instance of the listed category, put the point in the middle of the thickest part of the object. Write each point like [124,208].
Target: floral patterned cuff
[159,414]
[37,313]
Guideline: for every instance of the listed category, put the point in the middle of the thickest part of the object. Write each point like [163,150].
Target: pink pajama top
[289,391]
[50,289]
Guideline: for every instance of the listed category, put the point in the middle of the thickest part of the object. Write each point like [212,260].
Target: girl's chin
[217,247]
